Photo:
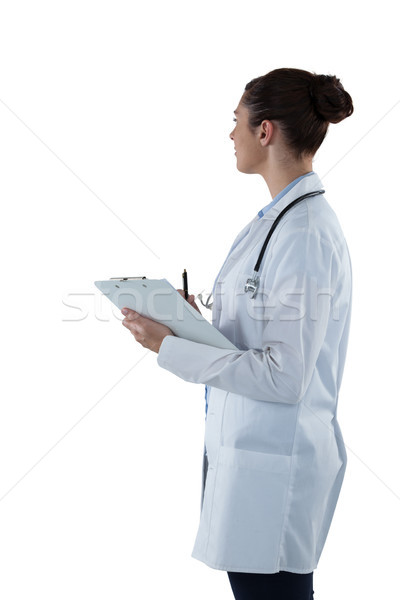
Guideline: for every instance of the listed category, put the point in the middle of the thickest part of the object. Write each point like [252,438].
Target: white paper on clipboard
[160,301]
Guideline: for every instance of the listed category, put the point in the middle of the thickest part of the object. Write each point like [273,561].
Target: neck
[277,178]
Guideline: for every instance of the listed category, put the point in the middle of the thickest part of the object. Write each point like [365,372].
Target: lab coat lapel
[237,241]
[311,183]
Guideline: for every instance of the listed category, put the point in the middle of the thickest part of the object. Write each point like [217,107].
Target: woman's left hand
[147,332]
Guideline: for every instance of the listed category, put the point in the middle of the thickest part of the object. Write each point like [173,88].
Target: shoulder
[311,224]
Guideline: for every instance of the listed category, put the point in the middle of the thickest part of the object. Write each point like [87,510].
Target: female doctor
[274,457]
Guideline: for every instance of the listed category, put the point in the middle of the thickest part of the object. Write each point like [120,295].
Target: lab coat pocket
[248,506]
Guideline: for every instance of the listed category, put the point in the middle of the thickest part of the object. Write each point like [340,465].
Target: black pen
[185,284]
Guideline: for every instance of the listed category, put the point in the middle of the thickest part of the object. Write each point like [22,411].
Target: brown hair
[303,104]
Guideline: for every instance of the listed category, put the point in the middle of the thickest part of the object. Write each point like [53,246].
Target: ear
[266,131]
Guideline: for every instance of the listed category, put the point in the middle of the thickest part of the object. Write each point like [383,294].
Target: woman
[274,457]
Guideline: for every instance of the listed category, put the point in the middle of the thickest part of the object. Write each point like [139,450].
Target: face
[250,147]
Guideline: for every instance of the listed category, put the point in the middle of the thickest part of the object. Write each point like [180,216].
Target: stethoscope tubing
[275,223]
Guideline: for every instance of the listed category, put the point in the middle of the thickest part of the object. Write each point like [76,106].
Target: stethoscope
[253,282]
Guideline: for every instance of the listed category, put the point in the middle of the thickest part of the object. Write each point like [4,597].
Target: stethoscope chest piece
[252,285]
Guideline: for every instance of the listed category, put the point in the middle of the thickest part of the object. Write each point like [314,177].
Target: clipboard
[157,299]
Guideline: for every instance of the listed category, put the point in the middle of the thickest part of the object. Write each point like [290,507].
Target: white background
[114,130]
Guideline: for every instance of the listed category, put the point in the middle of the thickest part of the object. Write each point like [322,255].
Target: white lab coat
[276,457]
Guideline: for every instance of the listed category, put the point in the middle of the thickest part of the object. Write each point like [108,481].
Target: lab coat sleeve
[296,290]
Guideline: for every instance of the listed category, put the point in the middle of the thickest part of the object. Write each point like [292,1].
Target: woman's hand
[190,299]
[147,332]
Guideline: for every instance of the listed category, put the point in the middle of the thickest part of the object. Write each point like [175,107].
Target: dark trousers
[272,586]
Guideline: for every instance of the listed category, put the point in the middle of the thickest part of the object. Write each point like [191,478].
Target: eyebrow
[235,112]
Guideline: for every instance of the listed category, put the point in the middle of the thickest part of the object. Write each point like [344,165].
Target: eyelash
[235,119]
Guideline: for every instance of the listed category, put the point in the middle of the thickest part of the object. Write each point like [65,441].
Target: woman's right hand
[190,299]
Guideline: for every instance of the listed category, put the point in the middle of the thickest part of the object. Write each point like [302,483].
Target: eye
[235,120]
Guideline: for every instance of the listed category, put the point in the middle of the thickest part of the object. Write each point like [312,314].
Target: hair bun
[330,99]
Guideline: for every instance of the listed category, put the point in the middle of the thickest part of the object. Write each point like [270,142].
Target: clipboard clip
[126,278]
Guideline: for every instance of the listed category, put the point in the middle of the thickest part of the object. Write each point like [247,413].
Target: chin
[244,169]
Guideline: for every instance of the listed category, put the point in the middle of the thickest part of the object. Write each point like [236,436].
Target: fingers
[190,298]
[194,305]
[131,321]
[135,327]
[130,315]
[130,324]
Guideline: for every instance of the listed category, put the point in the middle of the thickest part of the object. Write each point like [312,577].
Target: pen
[185,284]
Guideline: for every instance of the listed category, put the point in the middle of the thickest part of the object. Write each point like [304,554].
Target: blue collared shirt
[261,213]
